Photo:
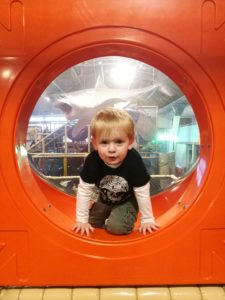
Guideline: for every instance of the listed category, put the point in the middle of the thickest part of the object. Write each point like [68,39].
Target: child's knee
[118,227]
[121,220]
[98,213]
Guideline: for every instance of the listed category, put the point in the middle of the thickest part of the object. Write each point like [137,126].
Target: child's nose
[111,147]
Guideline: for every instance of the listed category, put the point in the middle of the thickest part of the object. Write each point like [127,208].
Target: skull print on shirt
[114,189]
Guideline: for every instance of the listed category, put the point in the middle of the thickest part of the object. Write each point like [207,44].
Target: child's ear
[94,143]
[131,144]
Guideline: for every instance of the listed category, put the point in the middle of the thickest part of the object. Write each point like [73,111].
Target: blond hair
[109,119]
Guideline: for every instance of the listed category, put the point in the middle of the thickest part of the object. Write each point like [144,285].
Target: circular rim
[49,64]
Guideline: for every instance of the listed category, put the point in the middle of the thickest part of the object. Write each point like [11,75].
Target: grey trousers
[116,219]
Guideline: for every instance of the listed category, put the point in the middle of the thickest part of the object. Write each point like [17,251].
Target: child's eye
[104,142]
[119,142]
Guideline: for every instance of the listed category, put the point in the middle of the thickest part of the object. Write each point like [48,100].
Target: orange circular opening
[58,208]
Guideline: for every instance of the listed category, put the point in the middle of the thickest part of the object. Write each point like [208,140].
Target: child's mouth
[112,157]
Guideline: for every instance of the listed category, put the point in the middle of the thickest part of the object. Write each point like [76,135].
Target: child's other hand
[83,228]
[148,227]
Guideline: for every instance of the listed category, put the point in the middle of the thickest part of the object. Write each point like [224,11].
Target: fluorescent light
[167,137]
[123,73]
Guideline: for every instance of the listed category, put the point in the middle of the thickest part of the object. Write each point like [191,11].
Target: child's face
[112,149]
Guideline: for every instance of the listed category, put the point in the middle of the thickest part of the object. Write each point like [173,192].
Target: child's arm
[84,193]
[142,195]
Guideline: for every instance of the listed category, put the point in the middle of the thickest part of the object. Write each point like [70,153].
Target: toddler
[119,173]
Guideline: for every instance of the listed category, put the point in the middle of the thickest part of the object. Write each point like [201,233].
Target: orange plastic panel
[41,39]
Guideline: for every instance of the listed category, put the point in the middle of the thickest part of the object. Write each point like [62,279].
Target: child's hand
[148,227]
[83,228]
